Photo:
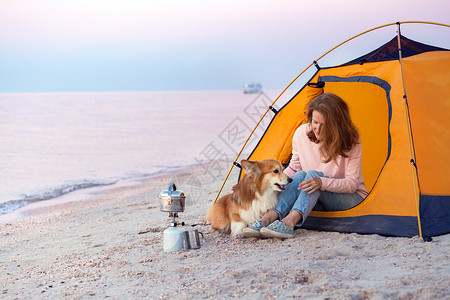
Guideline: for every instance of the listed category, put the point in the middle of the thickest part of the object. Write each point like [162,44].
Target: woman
[325,168]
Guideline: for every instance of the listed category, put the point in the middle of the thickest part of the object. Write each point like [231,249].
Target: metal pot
[172,200]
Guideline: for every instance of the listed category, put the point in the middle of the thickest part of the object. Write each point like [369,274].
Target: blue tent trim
[434,215]
[389,51]
[403,226]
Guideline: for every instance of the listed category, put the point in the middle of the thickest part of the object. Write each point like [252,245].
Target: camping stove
[173,202]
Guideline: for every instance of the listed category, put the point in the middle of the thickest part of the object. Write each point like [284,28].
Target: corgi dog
[255,194]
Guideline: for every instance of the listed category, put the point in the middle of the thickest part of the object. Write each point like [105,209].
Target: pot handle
[172,187]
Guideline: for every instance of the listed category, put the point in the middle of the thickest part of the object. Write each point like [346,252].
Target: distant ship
[252,88]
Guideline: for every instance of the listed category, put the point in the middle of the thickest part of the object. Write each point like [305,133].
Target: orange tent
[399,99]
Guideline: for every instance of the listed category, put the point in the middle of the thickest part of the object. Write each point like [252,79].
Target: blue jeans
[294,199]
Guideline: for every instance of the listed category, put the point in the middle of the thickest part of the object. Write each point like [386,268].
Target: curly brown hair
[339,133]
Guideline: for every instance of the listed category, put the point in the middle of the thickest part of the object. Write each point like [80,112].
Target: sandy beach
[108,243]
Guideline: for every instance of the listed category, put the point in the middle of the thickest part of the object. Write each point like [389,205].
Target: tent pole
[411,144]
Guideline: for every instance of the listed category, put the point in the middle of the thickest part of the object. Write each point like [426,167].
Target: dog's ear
[250,166]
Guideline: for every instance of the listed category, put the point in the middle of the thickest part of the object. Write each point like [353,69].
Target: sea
[52,144]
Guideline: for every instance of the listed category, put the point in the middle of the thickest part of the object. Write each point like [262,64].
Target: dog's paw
[239,235]
[237,229]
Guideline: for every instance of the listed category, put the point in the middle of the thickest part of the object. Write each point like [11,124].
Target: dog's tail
[218,214]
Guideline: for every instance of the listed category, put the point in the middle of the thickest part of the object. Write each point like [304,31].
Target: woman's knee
[299,176]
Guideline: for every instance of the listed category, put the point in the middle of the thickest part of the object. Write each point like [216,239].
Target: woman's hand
[311,185]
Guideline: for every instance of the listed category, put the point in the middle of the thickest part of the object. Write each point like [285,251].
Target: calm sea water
[52,144]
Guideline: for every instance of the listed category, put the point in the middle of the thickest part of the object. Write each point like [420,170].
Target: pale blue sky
[127,45]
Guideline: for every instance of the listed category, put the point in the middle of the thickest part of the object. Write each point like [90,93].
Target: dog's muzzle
[283,186]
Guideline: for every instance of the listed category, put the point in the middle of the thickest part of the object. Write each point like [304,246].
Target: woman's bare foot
[269,217]
[292,218]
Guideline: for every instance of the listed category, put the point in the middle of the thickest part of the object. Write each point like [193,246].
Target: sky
[159,45]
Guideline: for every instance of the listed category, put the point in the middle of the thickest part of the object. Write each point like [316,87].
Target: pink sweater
[343,177]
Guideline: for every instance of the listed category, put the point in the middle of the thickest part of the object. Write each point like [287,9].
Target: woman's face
[318,120]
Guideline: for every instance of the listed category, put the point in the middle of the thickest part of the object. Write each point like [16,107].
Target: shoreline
[89,193]
[111,246]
